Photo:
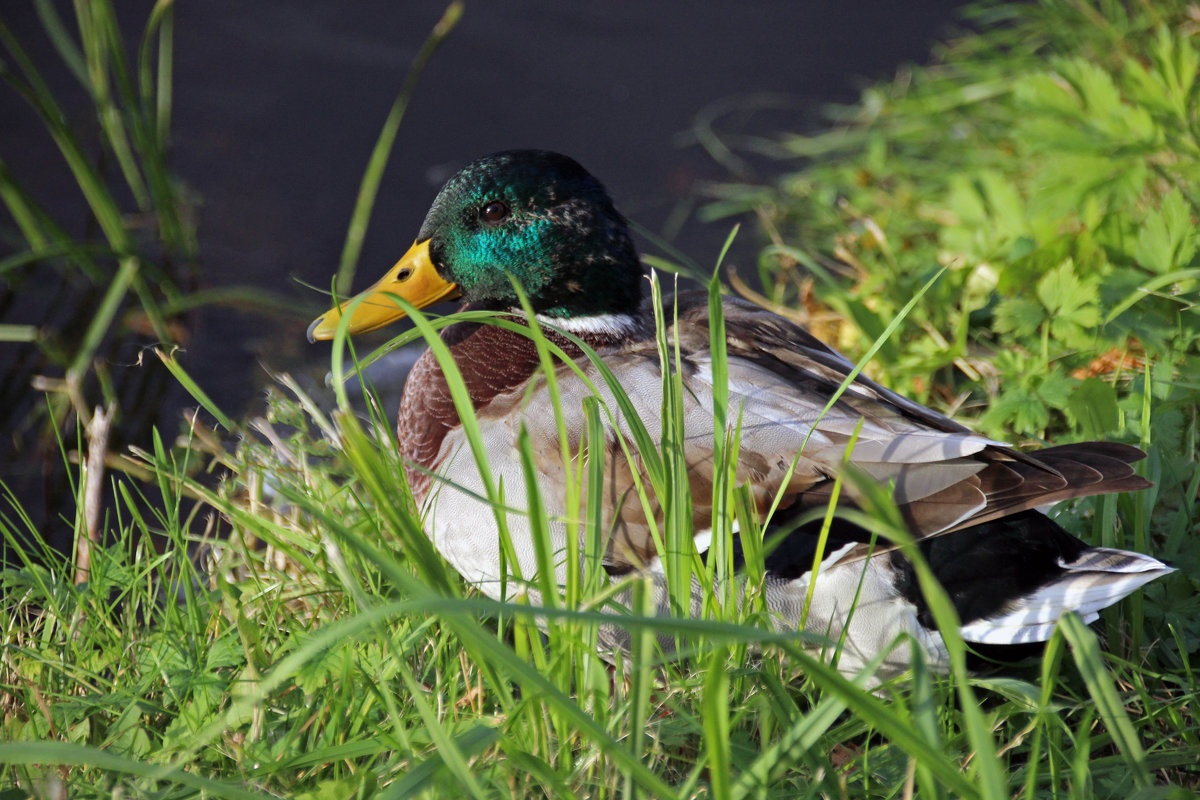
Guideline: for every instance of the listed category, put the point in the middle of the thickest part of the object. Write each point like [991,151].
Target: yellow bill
[414,278]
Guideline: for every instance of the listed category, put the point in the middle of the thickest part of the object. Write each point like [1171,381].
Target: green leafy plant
[1056,176]
[111,286]
[1051,165]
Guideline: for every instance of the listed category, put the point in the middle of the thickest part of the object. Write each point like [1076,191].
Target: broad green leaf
[1061,290]
[1093,405]
[1106,112]
[1005,204]
[1055,388]
[1167,240]
[1044,93]
[1166,83]
[1021,407]
[1019,316]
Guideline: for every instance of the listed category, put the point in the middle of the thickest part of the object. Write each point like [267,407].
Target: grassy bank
[261,613]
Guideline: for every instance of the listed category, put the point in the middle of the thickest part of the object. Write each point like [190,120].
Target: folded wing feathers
[946,478]
[780,378]
[1056,474]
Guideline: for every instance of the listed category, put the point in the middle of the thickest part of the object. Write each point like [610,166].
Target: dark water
[277,105]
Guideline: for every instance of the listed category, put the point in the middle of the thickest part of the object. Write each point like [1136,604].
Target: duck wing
[781,381]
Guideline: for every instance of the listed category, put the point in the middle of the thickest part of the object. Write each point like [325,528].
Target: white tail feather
[1017,634]
[1106,559]
[1100,577]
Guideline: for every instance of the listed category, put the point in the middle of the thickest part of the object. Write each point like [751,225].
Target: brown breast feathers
[492,360]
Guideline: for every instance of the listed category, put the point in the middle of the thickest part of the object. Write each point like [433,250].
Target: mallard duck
[539,219]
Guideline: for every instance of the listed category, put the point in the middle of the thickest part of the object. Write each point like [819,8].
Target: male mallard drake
[540,219]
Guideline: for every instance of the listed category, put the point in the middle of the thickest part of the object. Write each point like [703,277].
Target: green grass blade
[102,322]
[447,747]
[715,711]
[420,778]
[369,187]
[885,517]
[66,47]
[1085,648]
[77,755]
[197,393]
[156,75]
[38,95]
[18,333]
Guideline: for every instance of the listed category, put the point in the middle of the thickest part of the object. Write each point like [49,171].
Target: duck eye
[493,212]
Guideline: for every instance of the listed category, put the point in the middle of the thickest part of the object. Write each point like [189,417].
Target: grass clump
[1052,166]
[137,259]
[97,281]
[262,613]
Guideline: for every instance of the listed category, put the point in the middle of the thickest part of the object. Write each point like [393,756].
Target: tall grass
[94,292]
[131,102]
[321,645]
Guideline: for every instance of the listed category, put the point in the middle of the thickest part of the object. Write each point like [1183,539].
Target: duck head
[530,216]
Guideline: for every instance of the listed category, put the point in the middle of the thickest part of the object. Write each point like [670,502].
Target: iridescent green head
[541,218]
[531,216]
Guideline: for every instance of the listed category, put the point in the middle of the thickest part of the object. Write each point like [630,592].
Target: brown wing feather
[1055,474]
[947,478]
[1010,482]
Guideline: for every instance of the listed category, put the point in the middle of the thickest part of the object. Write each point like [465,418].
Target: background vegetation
[289,631]
[116,285]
